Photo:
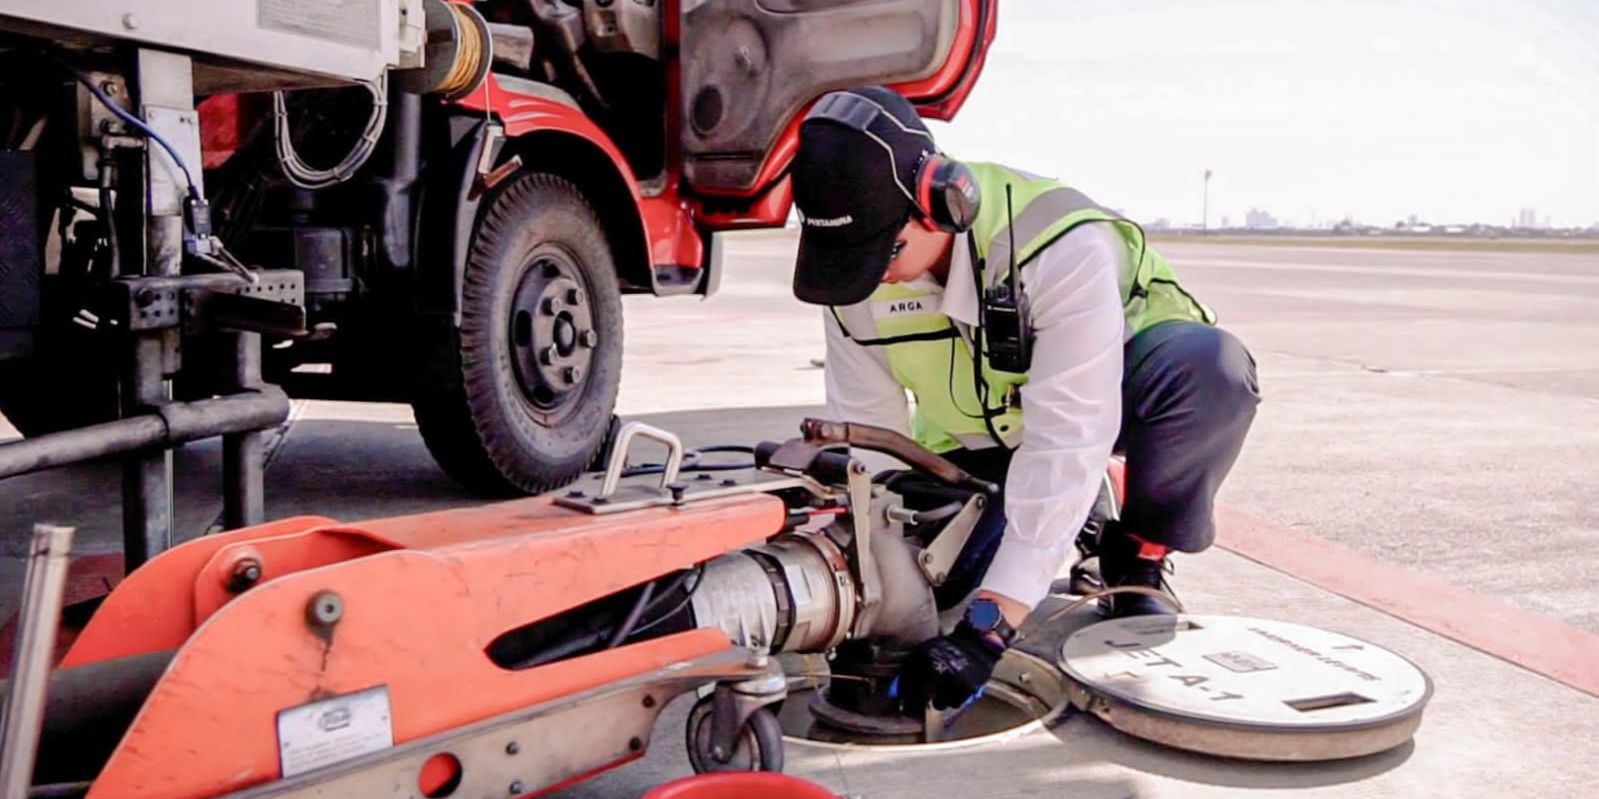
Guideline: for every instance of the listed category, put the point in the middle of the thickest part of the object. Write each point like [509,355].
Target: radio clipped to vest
[1007,319]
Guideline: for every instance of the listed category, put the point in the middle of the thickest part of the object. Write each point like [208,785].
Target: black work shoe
[1120,566]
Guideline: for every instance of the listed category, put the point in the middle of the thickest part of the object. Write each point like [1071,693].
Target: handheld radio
[1007,315]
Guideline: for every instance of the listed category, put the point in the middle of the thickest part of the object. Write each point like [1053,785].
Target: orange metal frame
[423,596]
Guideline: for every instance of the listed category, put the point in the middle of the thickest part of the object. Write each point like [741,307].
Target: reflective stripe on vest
[932,357]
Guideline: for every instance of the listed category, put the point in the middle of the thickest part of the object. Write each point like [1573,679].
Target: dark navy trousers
[1189,393]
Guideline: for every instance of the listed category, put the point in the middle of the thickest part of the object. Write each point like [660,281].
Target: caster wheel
[758,747]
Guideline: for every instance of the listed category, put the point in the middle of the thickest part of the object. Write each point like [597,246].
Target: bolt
[130,22]
[649,701]
[745,59]
[757,658]
[574,296]
[926,557]
[589,338]
[677,489]
[703,476]
[575,495]
[325,609]
[572,374]
[516,788]
[144,298]
[547,355]
[111,88]
[552,306]
[246,573]
[729,482]
[513,748]
[634,744]
[599,500]
[719,752]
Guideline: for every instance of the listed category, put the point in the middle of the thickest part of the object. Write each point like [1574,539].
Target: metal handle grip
[624,440]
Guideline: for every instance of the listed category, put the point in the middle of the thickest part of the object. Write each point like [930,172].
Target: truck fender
[549,133]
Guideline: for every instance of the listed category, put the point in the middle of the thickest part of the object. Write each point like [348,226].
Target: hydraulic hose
[888,442]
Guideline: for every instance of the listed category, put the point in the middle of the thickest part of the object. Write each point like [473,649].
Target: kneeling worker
[1037,332]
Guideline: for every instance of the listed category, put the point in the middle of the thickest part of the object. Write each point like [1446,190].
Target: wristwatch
[985,618]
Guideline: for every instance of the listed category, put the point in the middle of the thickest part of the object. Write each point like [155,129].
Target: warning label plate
[334,730]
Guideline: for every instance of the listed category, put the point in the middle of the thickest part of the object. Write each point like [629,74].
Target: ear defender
[947,194]
[947,197]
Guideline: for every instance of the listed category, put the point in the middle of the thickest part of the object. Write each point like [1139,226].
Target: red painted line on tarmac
[1538,643]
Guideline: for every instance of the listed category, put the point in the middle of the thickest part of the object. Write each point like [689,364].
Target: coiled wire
[307,177]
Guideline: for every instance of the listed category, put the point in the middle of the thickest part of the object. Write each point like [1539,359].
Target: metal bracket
[524,751]
[939,557]
[860,511]
[155,303]
[609,492]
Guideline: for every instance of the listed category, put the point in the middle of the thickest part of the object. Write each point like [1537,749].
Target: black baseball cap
[854,184]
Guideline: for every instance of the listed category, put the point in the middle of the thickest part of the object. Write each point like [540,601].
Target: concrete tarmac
[1434,409]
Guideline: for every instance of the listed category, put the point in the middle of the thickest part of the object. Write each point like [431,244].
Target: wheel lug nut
[575,296]
[589,338]
[552,306]
[573,374]
[547,355]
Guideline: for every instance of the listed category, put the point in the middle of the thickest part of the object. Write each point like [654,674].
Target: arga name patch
[903,307]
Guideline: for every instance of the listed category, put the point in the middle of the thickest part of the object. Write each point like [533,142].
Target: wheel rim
[552,333]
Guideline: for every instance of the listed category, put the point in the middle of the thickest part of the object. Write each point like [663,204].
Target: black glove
[947,671]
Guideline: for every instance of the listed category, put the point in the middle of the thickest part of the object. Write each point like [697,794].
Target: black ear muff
[947,193]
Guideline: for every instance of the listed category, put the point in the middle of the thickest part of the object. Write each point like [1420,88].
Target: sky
[1456,111]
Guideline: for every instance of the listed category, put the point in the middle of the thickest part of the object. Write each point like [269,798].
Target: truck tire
[524,400]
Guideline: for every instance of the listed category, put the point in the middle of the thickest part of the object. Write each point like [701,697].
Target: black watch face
[984,615]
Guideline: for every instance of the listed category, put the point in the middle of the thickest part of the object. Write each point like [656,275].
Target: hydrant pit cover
[1244,687]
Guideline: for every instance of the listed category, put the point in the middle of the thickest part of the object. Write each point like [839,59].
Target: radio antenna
[1010,227]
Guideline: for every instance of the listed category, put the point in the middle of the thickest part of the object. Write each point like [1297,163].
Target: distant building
[1226,222]
[1160,224]
[1257,219]
[1528,219]
[1412,221]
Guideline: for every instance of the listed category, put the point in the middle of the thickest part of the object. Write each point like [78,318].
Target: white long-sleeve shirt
[1071,404]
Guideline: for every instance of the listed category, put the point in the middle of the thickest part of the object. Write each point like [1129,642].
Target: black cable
[979,382]
[560,651]
[691,461]
[738,448]
[953,401]
[633,615]
[937,514]
[122,114]
[688,596]
[573,646]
